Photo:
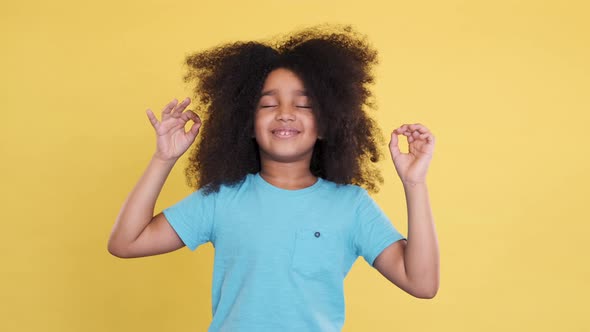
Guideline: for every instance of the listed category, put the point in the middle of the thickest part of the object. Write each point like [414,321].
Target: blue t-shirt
[281,255]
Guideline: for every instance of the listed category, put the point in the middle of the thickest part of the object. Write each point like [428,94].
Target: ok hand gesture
[172,141]
[412,166]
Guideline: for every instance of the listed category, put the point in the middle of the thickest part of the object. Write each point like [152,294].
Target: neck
[290,176]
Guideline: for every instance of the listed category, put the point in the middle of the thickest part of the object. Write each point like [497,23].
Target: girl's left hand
[412,166]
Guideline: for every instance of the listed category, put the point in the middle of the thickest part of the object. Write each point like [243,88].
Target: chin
[286,157]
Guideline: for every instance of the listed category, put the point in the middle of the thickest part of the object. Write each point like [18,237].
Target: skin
[171,140]
[412,166]
[285,162]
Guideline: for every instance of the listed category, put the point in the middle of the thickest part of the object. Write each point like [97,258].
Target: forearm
[422,253]
[138,208]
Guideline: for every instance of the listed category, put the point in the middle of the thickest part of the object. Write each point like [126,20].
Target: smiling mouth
[285,133]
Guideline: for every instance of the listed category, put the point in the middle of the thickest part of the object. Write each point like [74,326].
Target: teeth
[285,132]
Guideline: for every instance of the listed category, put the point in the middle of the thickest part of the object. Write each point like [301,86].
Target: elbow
[426,292]
[427,295]
[427,288]
[116,250]
[114,253]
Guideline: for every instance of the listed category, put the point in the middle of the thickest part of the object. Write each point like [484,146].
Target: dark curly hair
[334,63]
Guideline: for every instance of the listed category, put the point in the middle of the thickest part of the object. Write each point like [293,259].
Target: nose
[285,113]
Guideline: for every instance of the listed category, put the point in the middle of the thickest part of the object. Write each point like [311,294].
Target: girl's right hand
[172,141]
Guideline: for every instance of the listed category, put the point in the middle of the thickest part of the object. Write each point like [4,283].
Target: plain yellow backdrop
[503,85]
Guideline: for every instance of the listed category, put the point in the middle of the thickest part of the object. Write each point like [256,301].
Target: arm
[421,256]
[138,210]
[414,264]
[136,233]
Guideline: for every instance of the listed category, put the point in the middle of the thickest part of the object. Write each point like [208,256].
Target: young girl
[285,152]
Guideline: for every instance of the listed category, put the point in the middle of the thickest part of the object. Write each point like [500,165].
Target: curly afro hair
[334,66]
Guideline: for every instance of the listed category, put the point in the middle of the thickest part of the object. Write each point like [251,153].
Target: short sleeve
[192,218]
[373,229]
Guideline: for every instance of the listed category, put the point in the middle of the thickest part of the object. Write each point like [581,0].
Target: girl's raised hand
[172,141]
[412,166]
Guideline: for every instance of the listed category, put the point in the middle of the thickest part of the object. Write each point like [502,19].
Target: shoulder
[353,197]
[208,193]
[229,190]
[346,187]
[351,192]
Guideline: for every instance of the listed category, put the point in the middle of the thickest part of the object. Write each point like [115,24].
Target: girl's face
[285,125]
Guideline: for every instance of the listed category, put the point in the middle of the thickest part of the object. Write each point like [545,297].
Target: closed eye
[265,106]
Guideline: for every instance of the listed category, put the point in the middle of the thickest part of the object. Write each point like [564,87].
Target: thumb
[393,145]
[192,133]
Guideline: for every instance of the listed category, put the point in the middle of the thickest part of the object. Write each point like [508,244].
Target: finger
[152,117]
[425,135]
[419,127]
[178,110]
[403,128]
[168,108]
[408,130]
[428,137]
[192,133]
[196,125]
[190,115]
[393,145]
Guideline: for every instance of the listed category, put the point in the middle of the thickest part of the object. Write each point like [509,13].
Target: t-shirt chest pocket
[317,252]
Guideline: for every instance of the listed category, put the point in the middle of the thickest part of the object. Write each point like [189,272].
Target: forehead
[282,80]
[274,92]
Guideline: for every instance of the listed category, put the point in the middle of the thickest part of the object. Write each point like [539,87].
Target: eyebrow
[272,92]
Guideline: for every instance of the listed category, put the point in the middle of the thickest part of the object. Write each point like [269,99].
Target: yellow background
[503,85]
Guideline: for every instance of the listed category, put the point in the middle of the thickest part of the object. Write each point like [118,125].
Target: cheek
[257,122]
[260,125]
[313,124]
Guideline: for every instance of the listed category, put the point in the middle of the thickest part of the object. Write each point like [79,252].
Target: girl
[280,175]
